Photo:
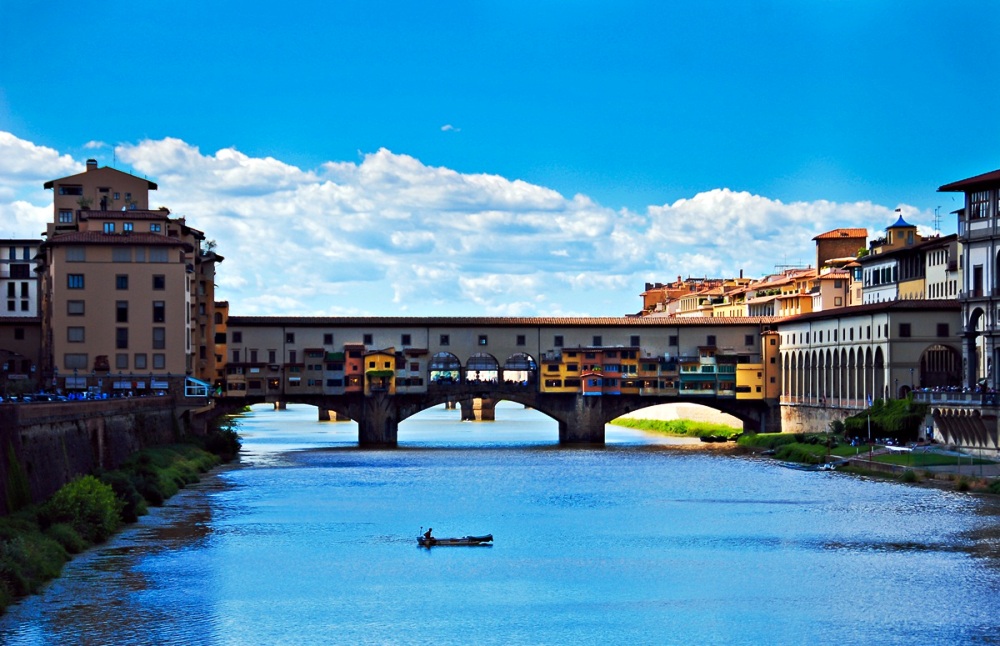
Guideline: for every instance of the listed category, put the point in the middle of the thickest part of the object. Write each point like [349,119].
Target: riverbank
[37,540]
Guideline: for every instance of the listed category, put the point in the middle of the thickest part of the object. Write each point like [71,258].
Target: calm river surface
[312,540]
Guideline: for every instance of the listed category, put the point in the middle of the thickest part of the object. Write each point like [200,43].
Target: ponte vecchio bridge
[582,372]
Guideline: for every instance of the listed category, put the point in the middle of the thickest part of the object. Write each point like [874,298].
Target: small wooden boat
[465,540]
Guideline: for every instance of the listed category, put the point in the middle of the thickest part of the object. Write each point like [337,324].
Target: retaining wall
[45,445]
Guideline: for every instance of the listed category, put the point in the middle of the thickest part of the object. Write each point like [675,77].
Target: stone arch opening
[444,368]
[482,367]
[520,368]
[940,367]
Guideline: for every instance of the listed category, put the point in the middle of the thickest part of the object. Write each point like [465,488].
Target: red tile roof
[652,320]
[99,237]
[842,233]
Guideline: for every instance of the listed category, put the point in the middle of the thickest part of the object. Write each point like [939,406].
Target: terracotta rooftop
[124,215]
[99,237]
[653,320]
[842,233]
[878,308]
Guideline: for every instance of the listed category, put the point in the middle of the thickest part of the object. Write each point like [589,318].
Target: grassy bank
[678,427]
[37,540]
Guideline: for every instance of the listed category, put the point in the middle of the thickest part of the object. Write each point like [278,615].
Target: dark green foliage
[994,487]
[963,484]
[88,506]
[65,535]
[133,502]
[767,440]
[896,418]
[909,476]
[804,453]
[18,489]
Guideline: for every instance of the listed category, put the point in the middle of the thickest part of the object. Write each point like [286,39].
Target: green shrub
[766,440]
[963,484]
[909,476]
[133,503]
[66,536]
[994,487]
[88,505]
[804,453]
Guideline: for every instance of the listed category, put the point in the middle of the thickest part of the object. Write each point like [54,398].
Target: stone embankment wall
[45,445]
[811,419]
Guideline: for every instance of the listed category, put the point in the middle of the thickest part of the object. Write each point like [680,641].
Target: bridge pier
[378,423]
[479,410]
[585,423]
[326,415]
[280,405]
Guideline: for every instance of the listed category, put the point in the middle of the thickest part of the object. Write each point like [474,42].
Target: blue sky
[596,145]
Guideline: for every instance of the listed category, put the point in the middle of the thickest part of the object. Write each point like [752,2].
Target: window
[159,311]
[672,340]
[121,311]
[65,216]
[405,339]
[70,190]
[140,361]
[127,226]
[109,227]
[483,340]
[367,339]
[154,227]
[710,340]
[327,339]
[253,356]
[74,281]
[121,281]
[293,356]
[121,338]
[444,340]
[121,254]
[598,341]
[121,361]
[271,356]
[634,341]
[238,338]
[159,361]
[20,271]
[557,341]
[158,254]
[19,334]
[76,254]
[236,356]
[75,361]
[748,340]
[904,330]
[521,340]
[75,334]
[74,308]
[838,301]
[159,281]
[159,338]
[942,330]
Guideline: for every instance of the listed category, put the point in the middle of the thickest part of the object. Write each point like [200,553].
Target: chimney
[91,165]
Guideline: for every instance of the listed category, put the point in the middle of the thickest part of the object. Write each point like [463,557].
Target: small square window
[368,339]
[405,339]
[521,340]
[942,330]
[483,339]
[290,337]
[444,340]
[159,281]
[598,341]
[710,340]
[121,281]
[672,340]
[328,339]
[634,341]
[74,308]
[904,330]
[558,341]
[74,281]
[748,340]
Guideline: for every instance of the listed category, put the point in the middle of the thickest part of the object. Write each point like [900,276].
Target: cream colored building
[127,292]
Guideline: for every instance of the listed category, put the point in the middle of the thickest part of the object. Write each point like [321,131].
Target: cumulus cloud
[450,128]
[388,234]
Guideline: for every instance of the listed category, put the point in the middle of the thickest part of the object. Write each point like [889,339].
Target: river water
[311,539]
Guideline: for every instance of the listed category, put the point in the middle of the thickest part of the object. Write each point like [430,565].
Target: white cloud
[450,128]
[388,234]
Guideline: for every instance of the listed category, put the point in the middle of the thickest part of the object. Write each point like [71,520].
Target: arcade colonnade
[843,357]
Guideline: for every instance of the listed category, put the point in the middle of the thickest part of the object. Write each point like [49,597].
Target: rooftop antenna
[937,219]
